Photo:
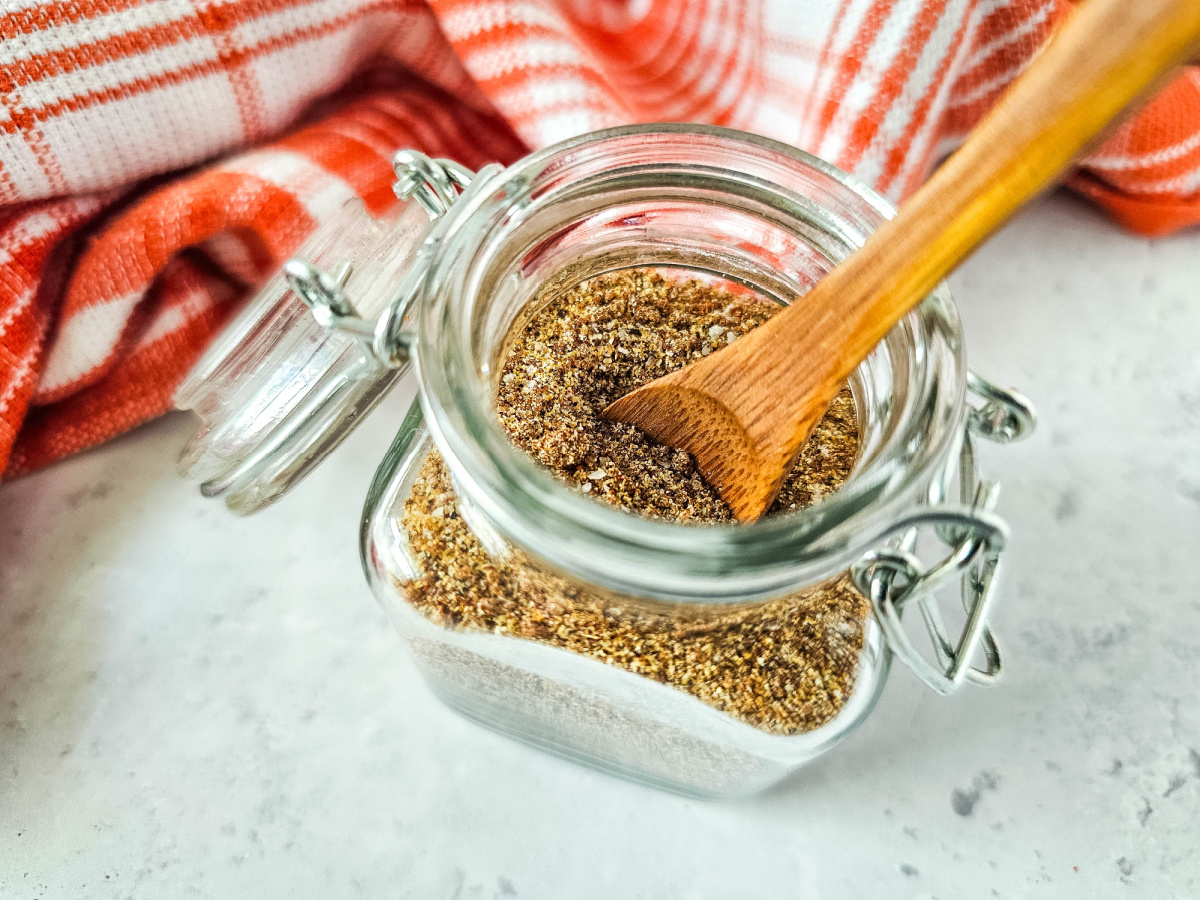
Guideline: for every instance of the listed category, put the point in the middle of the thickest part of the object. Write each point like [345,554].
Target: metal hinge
[434,183]
[894,578]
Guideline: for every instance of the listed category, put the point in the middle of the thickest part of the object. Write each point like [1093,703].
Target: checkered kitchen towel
[159,157]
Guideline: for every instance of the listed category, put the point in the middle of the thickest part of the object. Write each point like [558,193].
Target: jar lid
[319,346]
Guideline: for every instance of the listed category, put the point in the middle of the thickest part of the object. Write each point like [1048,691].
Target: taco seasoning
[786,666]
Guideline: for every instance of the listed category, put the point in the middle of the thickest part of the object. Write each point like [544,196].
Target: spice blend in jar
[786,666]
[665,643]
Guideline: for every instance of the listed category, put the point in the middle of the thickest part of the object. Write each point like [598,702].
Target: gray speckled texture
[196,705]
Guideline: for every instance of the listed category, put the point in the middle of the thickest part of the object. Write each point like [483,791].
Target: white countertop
[197,705]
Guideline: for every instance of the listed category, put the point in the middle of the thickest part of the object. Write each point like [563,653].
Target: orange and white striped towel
[158,157]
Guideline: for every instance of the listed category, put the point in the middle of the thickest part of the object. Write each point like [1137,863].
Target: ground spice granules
[786,666]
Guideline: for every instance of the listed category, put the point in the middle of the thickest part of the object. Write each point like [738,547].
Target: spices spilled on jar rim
[785,666]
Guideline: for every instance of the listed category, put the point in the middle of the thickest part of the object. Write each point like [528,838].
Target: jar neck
[708,200]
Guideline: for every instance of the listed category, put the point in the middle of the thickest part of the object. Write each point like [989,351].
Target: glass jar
[446,280]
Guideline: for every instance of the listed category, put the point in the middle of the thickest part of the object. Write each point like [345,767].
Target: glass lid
[279,390]
[319,346]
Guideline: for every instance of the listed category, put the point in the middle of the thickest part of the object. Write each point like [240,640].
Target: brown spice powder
[786,666]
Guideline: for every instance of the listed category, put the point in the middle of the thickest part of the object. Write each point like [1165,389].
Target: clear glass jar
[444,282]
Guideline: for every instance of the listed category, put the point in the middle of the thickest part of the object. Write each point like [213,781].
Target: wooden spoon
[746,411]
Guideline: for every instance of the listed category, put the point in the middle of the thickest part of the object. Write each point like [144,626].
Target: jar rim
[623,550]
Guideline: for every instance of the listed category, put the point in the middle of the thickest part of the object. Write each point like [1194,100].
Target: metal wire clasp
[894,578]
[434,183]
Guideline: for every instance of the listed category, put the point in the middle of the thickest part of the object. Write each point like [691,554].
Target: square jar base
[616,721]
[532,731]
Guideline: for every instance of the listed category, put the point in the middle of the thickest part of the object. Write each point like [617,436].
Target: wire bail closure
[893,576]
[434,183]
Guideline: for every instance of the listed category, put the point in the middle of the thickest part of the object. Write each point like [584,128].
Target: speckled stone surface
[193,705]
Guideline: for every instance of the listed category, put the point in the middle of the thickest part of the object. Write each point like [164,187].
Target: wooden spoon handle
[1110,53]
